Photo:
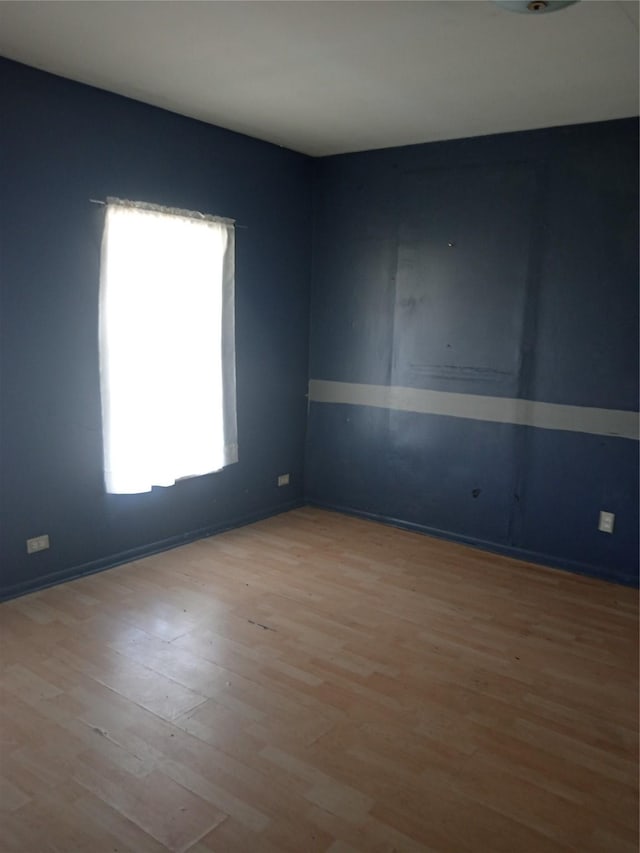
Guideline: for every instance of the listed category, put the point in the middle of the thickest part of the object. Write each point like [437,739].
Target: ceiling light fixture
[534,7]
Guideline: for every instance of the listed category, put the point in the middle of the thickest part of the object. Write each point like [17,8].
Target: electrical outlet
[283,480]
[605,524]
[37,543]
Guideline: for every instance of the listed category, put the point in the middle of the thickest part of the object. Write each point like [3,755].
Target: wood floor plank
[316,682]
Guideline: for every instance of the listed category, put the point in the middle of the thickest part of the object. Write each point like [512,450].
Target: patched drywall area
[474,347]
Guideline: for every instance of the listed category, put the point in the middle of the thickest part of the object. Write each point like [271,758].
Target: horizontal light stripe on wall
[504,410]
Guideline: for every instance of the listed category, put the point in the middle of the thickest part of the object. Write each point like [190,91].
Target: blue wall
[62,144]
[536,299]
[502,266]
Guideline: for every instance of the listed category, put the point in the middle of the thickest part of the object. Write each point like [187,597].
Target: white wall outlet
[605,524]
[37,543]
[283,480]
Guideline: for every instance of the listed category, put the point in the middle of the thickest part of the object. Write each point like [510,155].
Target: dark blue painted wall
[537,298]
[61,144]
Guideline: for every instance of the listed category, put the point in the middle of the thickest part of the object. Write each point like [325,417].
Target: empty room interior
[319,427]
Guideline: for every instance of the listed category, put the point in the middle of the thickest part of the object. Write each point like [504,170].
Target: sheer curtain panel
[167,356]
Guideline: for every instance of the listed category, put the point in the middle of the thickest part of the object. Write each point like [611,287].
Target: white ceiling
[330,77]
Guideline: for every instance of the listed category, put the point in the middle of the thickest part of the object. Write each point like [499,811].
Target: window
[167,360]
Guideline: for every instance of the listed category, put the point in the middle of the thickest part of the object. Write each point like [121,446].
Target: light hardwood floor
[321,683]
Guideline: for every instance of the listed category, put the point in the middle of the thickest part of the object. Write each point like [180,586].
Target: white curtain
[167,355]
